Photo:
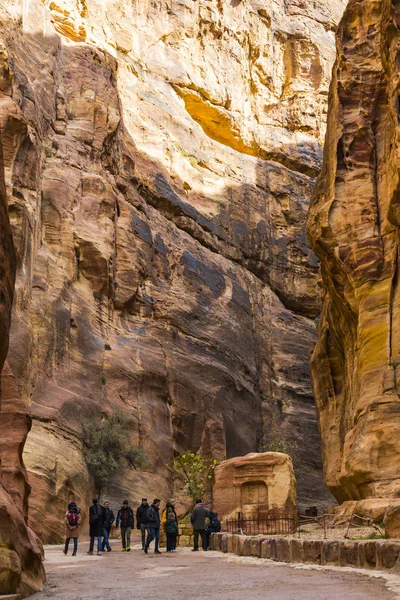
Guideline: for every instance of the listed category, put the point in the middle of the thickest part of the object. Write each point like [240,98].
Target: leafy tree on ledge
[107,446]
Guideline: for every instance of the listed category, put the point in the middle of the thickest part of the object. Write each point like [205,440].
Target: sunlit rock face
[354,227]
[160,158]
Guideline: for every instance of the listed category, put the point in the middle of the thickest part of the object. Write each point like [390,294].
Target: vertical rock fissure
[393,293]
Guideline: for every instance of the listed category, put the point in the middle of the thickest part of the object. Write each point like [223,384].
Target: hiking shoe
[145,549]
[74,553]
[90,552]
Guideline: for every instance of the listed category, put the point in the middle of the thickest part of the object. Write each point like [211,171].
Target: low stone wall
[383,555]
[185,536]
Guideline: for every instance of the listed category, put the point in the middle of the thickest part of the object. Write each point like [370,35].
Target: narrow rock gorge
[354,227]
[160,158]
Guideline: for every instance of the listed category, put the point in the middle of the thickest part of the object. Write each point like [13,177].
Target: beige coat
[71,531]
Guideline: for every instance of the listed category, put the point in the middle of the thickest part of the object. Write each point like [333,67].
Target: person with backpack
[171,526]
[154,521]
[72,521]
[141,520]
[96,526]
[213,526]
[126,522]
[198,520]
[108,521]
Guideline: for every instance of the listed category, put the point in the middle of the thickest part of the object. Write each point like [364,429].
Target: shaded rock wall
[354,228]
[160,157]
[20,555]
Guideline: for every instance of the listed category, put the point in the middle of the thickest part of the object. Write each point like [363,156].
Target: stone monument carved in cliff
[255,486]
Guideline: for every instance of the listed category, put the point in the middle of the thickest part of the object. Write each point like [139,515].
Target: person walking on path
[126,521]
[72,521]
[108,521]
[171,526]
[198,520]
[141,520]
[96,526]
[154,521]
[213,527]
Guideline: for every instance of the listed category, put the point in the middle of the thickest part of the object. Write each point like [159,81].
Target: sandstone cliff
[160,158]
[354,226]
[20,556]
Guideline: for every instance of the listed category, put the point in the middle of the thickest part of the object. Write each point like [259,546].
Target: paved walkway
[196,576]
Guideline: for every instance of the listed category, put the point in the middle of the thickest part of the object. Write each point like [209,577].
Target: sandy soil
[196,576]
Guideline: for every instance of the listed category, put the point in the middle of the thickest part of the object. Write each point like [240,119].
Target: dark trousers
[106,535]
[91,545]
[202,533]
[171,541]
[75,544]
[126,536]
[154,534]
[143,530]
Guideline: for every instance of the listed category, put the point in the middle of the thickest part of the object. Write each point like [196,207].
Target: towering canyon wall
[160,157]
[354,226]
[20,555]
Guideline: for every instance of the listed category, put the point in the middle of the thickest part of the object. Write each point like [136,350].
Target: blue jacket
[214,525]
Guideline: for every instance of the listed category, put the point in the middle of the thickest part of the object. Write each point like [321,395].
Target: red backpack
[73,519]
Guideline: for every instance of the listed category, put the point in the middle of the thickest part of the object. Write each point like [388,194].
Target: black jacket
[108,517]
[96,520]
[125,517]
[198,517]
[214,525]
[141,515]
[153,517]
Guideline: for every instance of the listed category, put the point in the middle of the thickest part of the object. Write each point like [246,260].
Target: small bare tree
[196,470]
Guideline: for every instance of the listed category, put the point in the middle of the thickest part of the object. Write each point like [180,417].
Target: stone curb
[382,555]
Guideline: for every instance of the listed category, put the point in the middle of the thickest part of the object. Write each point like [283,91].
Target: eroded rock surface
[354,227]
[20,556]
[160,158]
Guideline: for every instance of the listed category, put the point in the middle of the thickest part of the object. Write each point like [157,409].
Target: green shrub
[107,447]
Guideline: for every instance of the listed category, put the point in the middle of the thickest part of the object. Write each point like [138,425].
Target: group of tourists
[149,522]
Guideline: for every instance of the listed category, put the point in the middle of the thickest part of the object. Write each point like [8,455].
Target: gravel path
[196,576]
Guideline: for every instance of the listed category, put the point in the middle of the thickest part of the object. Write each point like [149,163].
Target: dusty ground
[196,576]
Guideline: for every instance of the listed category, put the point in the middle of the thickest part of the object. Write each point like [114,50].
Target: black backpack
[95,514]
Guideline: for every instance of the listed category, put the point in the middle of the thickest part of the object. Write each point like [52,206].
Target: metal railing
[324,525]
[270,525]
